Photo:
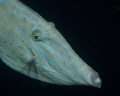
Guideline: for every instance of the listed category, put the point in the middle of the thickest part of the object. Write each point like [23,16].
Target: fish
[34,47]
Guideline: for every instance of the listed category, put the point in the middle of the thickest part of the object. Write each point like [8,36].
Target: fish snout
[94,79]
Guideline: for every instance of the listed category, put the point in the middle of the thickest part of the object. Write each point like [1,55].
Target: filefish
[34,47]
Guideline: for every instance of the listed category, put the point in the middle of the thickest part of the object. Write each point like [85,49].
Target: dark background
[92,29]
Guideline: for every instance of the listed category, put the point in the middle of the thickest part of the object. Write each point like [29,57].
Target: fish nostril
[95,79]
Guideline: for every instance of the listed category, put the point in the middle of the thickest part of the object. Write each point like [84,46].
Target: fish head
[31,45]
[57,62]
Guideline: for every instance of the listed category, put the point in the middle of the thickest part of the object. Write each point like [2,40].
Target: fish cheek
[24,54]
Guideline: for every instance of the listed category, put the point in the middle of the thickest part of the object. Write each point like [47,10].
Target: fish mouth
[95,80]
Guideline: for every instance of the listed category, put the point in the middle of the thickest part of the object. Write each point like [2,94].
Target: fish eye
[37,35]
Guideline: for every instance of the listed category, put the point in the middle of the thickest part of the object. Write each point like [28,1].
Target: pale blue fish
[31,45]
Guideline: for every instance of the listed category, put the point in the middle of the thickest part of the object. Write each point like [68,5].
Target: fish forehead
[51,60]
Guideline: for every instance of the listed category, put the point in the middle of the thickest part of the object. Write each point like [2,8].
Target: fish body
[34,47]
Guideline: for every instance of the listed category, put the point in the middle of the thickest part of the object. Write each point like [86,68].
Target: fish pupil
[36,37]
